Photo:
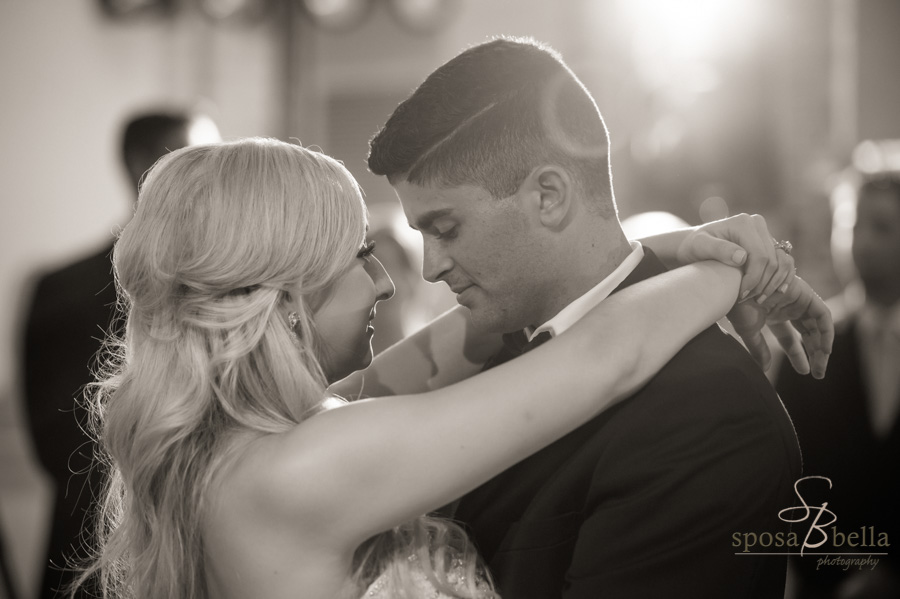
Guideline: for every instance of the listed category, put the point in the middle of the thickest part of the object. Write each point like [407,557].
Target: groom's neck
[587,262]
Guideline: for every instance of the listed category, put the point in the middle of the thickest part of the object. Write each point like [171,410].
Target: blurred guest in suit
[847,423]
[70,311]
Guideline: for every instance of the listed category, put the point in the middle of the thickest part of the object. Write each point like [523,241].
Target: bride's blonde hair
[221,233]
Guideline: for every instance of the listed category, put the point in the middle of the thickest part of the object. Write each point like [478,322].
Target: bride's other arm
[449,349]
[742,240]
[379,462]
[769,280]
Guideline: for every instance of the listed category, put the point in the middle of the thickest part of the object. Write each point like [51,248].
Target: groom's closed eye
[429,219]
[445,232]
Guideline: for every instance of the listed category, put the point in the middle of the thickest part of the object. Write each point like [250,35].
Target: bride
[249,287]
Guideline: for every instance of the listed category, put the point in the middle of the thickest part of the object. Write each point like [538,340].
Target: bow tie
[514,345]
[519,341]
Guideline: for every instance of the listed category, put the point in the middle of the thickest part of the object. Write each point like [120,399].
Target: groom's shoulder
[713,372]
[711,356]
[711,394]
[712,352]
[711,380]
[713,367]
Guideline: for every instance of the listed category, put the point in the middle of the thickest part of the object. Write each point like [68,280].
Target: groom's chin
[490,321]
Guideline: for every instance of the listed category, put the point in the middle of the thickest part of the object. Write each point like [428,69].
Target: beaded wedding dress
[381,589]
[424,589]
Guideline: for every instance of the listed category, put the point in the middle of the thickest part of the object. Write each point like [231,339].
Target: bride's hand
[771,293]
[799,320]
[742,240]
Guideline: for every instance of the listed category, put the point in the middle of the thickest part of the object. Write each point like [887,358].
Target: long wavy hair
[221,233]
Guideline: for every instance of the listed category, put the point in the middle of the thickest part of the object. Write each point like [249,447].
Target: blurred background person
[70,313]
[848,424]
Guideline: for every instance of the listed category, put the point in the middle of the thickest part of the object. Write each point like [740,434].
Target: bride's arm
[449,349]
[741,240]
[379,462]
[769,279]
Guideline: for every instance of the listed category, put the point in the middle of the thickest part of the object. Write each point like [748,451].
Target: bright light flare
[203,130]
[679,39]
[689,29]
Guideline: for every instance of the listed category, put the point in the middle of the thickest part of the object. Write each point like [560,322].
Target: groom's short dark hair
[491,115]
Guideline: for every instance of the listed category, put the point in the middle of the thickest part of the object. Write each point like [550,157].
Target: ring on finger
[784,246]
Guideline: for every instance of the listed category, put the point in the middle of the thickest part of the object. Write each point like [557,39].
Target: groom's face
[481,247]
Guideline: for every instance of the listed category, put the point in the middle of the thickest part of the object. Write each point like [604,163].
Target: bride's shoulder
[283,474]
[264,469]
[302,477]
[293,452]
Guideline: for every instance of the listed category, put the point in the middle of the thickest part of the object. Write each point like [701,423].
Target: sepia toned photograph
[449,299]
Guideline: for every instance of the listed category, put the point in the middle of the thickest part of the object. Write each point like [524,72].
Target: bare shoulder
[262,536]
[277,474]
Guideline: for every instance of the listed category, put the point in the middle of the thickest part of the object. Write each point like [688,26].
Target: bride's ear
[288,305]
[289,311]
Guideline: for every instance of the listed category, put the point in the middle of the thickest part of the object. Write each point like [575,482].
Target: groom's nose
[436,262]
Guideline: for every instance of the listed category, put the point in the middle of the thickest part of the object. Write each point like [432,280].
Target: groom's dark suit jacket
[644,500]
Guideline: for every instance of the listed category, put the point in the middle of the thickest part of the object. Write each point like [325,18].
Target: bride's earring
[293,319]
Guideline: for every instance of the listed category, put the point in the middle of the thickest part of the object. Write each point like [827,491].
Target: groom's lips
[460,292]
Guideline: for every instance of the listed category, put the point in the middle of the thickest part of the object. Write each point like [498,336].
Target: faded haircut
[491,115]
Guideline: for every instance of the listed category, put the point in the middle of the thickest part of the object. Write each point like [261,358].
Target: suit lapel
[491,509]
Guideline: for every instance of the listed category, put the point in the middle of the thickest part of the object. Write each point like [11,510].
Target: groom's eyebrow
[425,220]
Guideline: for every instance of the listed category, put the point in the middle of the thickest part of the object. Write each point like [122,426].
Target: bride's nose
[384,286]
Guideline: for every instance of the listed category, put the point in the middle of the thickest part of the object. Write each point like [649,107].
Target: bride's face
[344,319]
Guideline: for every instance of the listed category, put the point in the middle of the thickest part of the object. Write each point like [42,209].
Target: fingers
[789,300]
[789,340]
[781,279]
[816,347]
[819,364]
[762,262]
[824,325]
[707,247]
[811,317]
[745,239]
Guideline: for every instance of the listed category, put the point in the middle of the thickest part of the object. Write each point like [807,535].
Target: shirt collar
[572,313]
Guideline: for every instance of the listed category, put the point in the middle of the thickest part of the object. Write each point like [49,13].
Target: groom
[500,159]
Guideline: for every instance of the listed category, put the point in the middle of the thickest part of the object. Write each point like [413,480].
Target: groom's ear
[552,188]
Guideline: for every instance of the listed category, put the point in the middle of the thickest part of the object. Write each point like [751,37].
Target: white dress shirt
[582,305]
